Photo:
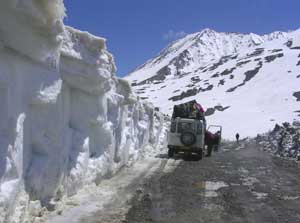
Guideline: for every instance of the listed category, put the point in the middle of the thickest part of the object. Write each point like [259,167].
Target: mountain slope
[245,81]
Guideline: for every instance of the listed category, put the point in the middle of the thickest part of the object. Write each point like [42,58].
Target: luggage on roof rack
[187,110]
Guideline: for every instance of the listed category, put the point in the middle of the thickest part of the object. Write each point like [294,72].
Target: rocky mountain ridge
[243,74]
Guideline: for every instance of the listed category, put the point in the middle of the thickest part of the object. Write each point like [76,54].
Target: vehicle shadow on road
[179,156]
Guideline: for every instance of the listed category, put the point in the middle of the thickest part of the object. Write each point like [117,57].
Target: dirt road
[241,184]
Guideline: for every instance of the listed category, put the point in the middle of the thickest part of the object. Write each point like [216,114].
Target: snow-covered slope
[245,81]
[66,120]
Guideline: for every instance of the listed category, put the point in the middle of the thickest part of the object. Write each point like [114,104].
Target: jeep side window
[199,128]
[179,127]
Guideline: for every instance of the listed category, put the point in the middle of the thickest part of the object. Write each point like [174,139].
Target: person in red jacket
[210,140]
[199,107]
[200,111]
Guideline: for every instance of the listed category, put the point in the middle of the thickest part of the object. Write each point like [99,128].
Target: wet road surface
[239,184]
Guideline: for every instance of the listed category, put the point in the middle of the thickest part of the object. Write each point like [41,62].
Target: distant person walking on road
[237,136]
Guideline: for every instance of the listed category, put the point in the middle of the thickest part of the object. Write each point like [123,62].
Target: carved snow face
[32,27]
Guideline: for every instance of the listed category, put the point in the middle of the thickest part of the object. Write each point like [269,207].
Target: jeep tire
[171,152]
[200,154]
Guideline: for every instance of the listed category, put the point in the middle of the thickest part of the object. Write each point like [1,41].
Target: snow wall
[65,120]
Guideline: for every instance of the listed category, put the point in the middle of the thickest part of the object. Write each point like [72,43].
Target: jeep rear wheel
[200,154]
[171,152]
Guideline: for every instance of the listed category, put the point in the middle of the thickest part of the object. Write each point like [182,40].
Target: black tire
[188,138]
[200,154]
[170,152]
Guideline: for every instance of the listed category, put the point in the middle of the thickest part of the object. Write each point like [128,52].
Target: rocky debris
[209,87]
[283,140]
[198,69]
[221,108]
[185,94]
[227,71]
[249,75]
[242,63]
[215,75]
[183,59]
[257,52]
[273,57]
[182,74]
[297,95]
[234,88]
[190,85]
[160,76]
[133,84]
[223,60]
[276,50]
[211,111]
[290,43]
[191,92]
[221,82]
[195,80]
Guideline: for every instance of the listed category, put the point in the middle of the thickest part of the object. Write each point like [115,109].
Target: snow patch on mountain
[204,47]
[256,77]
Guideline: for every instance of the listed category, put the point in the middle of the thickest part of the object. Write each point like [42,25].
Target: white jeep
[186,135]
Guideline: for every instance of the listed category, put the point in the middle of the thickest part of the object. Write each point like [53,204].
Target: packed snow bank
[65,120]
[283,140]
[33,28]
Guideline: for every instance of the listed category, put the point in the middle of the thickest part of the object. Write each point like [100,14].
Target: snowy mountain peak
[275,35]
[204,46]
[207,31]
[228,72]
